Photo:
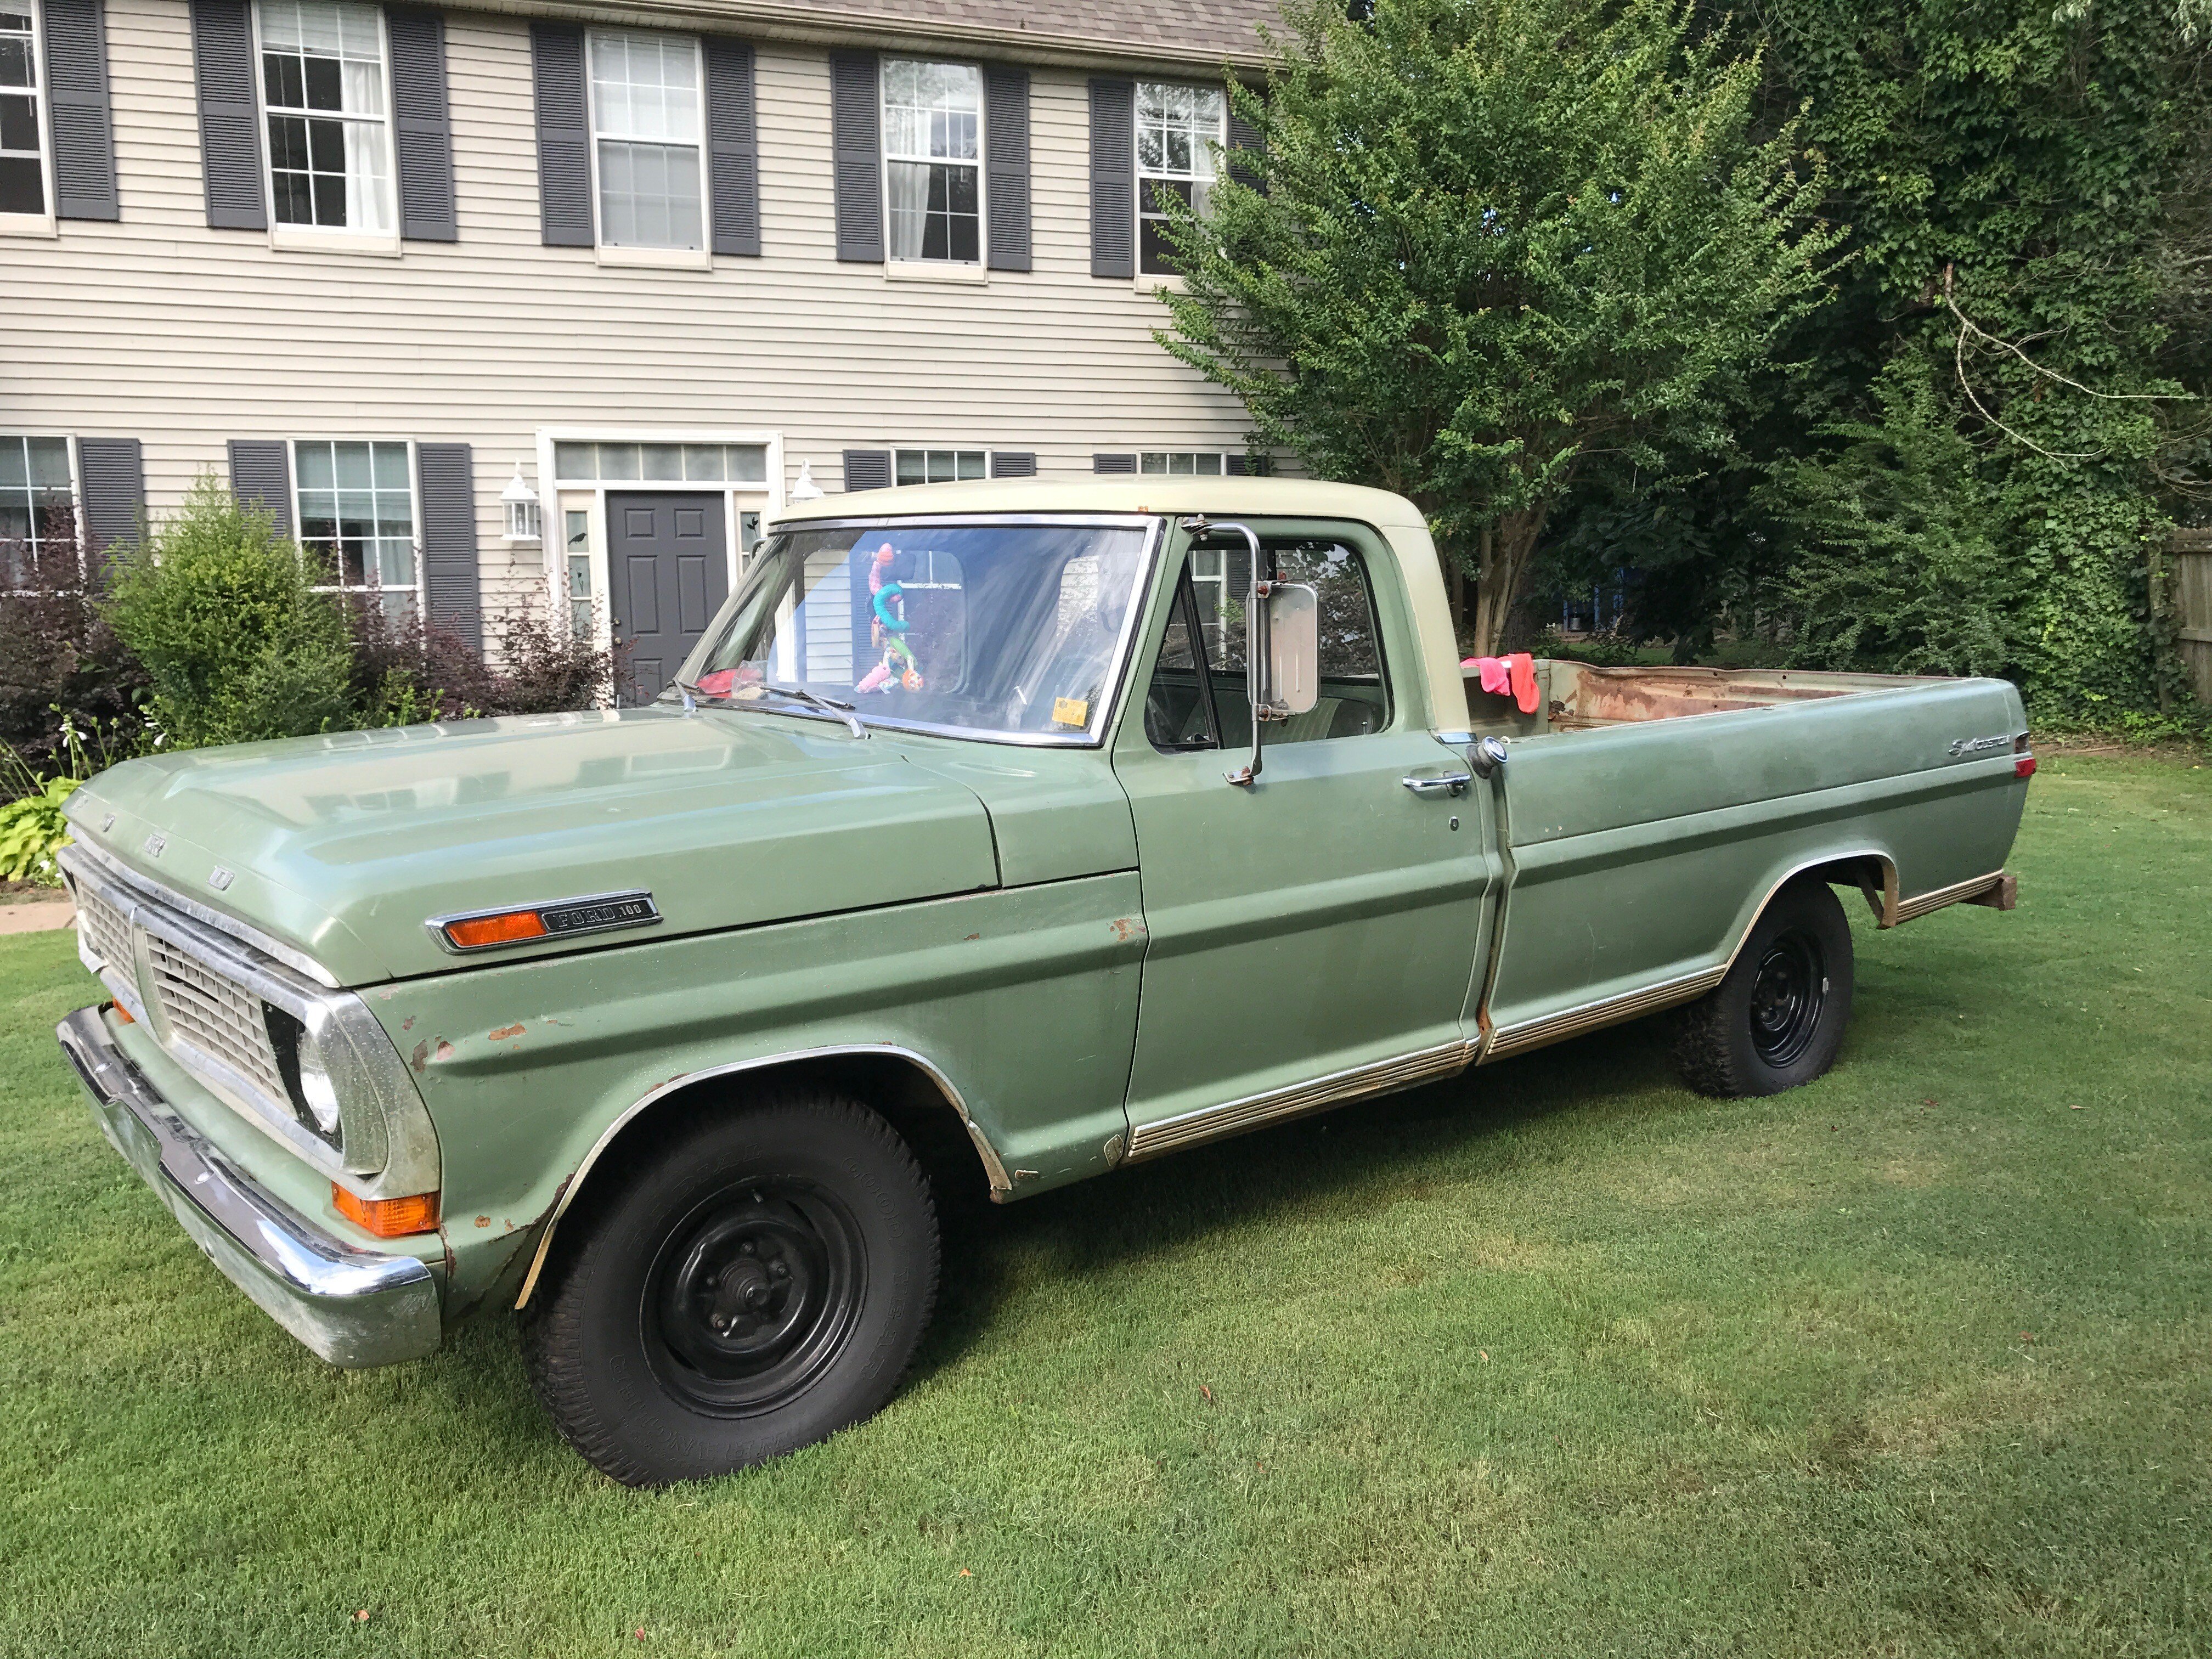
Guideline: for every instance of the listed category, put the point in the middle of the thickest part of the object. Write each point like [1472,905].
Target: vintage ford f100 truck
[954,851]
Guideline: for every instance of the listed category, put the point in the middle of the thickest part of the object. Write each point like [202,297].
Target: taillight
[2023,764]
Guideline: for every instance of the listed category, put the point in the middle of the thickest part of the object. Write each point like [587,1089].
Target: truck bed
[1577,697]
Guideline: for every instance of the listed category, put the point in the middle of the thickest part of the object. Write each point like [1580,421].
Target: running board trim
[1256,1111]
[1573,1021]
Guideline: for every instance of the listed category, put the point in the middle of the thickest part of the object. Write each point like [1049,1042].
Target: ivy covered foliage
[2025,185]
[1948,442]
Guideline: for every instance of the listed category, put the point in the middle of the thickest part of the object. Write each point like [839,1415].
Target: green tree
[222,613]
[1482,245]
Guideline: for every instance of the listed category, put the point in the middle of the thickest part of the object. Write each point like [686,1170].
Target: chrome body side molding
[1252,1112]
[1573,1021]
[1995,888]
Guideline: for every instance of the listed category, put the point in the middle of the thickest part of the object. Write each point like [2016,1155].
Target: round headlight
[316,1092]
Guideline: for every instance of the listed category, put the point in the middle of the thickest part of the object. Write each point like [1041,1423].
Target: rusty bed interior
[1576,697]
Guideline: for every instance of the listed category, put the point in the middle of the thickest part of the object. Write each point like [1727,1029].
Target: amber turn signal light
[388,1217]
[508,928]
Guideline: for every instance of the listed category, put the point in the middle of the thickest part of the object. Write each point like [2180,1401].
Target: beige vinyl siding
[159,328]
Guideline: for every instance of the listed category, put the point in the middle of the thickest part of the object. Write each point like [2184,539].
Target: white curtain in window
[908,184]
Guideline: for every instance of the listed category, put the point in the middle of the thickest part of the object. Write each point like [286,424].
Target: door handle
[1441,783]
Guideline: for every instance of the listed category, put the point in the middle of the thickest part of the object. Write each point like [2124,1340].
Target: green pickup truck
[953,855]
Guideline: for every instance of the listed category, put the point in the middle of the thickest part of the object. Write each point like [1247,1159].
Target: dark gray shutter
[422,126]
[1013,463]
[1006,165]
[1113,178]
[76,108]
[856,155]
[1244,137]
[111,478]
[445,482]
[867,469]
[564,138]
[733,147]
[230,126]
[1113,463]
[261,476]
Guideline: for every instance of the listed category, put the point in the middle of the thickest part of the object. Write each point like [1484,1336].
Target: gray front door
[668,573]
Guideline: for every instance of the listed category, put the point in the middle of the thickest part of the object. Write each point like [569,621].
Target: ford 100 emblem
[1978,745]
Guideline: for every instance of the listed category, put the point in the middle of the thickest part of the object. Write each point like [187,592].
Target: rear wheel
[759,1283]
[1777,1020]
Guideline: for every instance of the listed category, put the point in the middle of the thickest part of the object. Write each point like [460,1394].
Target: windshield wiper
[836,710]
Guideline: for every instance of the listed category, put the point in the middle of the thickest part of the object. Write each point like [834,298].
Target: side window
[933,154]
[22,126]
[645,122]
[1196,699]
[322,86]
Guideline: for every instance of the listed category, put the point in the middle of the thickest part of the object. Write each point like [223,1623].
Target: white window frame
[414,511]
[936,270]
[1164,278]
[75,490]
[326,239]
[46,224]
[667,259]
[557,496]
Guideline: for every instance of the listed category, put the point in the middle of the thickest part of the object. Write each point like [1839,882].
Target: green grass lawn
[1556,1359]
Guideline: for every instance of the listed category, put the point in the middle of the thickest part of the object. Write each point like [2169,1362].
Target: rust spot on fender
[1127,928]
[408,1023]
[420,1058]
[444,1051]
[483,1221]
[504,1031]
[971,938]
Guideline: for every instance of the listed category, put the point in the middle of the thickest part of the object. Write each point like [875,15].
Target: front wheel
[760,1283]
[1777,1020]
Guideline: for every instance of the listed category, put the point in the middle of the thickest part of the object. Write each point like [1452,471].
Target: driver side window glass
[1197,700]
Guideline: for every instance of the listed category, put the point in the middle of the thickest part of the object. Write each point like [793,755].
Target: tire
[757,1284]
[1777,1020]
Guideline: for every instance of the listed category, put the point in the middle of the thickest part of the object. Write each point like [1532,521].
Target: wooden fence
[2190,552]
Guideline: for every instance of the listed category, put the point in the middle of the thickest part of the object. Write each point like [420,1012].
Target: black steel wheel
[1787,994]
[752,1295]
[756,1280]
[1777,1020]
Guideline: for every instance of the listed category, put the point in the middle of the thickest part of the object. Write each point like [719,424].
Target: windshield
[1000,629]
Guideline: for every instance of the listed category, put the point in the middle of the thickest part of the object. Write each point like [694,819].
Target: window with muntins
[1178,129]
[645,137]
[38,508]
[933,143]
[915,466]
[1182,463]
[357,513]
[22,124]
[330,131]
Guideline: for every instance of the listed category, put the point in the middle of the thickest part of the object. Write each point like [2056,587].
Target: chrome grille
[220,1018]
[104,929]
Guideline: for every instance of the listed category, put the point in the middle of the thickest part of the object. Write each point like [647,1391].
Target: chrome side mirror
[1293,649]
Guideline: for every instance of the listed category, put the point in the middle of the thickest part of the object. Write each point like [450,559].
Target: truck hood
[341,847]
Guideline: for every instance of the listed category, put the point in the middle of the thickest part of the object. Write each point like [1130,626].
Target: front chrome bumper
[352,1307]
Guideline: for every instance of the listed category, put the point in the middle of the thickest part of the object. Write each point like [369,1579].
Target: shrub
[58,657]
[32,830]
[222,613]
[407,670]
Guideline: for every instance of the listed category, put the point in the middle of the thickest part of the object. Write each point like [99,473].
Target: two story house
[557,303]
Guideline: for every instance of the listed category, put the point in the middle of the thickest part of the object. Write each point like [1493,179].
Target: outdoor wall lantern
[520,502]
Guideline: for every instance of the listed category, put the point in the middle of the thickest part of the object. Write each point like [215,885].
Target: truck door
[1314,933]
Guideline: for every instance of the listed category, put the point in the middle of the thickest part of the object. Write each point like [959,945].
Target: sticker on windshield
[1071,711]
